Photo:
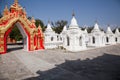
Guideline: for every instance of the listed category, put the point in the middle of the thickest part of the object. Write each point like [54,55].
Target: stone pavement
[33,63]
[62,65]
[11,68]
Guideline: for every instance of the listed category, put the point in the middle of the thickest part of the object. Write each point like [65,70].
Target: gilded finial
[15,1]
[24,10]
[39,26]
[6,8]
[32,20]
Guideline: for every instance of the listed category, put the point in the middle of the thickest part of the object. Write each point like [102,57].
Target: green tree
[15,34]
[115,29]
[58,26]
[89,29]
[40,22]
[0,15]
[29,17]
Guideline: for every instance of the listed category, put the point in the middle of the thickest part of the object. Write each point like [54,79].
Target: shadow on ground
[14,47]
[106,67]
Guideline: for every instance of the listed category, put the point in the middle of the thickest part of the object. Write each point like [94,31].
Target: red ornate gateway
[33,37]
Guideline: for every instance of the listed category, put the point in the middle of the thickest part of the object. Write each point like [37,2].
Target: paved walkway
[54,64]
[33,63]
[12,68]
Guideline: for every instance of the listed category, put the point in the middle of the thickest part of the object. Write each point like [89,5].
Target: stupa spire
[96,26]
[24,11]
[48,21]
[109,29]
[117,31]
[49,28]
[96,21]
[73,23]
[65,28]
[39,27]
[85,30]
[32,20]
[16,7]
[6,7]
[6,10]
[73,14]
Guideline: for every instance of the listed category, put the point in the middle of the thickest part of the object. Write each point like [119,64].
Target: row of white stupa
[74,39]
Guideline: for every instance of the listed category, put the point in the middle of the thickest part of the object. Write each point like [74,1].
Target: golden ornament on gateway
[17,15]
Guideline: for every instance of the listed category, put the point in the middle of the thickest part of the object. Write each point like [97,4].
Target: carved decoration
[15,15]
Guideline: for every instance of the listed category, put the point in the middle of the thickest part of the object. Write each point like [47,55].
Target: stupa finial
[73,14]
[32,20]
[49,21]
[15,1]
[39,26]
[6,8]
[96,21]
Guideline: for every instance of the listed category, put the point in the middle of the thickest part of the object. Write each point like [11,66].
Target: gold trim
[1,49]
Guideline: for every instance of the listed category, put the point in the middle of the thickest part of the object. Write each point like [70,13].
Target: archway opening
[68,41]
[107,39]
[52,38]
[80,41]
[16,38]
[116,39]
[93,40]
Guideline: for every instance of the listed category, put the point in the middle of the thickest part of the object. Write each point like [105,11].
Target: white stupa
[110,37]
[117,31]
[117,36]
[85,32]
[49,28]
[73,37]
[73,24]
[96,28]
[96,37]
[52,39]
[109,31]
[64,29]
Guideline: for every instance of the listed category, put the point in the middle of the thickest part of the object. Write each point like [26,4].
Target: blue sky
[86,11]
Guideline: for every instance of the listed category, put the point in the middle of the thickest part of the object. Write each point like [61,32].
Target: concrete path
[33,63]
[60,65]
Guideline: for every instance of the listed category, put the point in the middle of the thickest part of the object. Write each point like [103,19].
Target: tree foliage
[29,18]
[115,30]
[0,15]
[15,34]
[40,22]
[58,26]
[89,29]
